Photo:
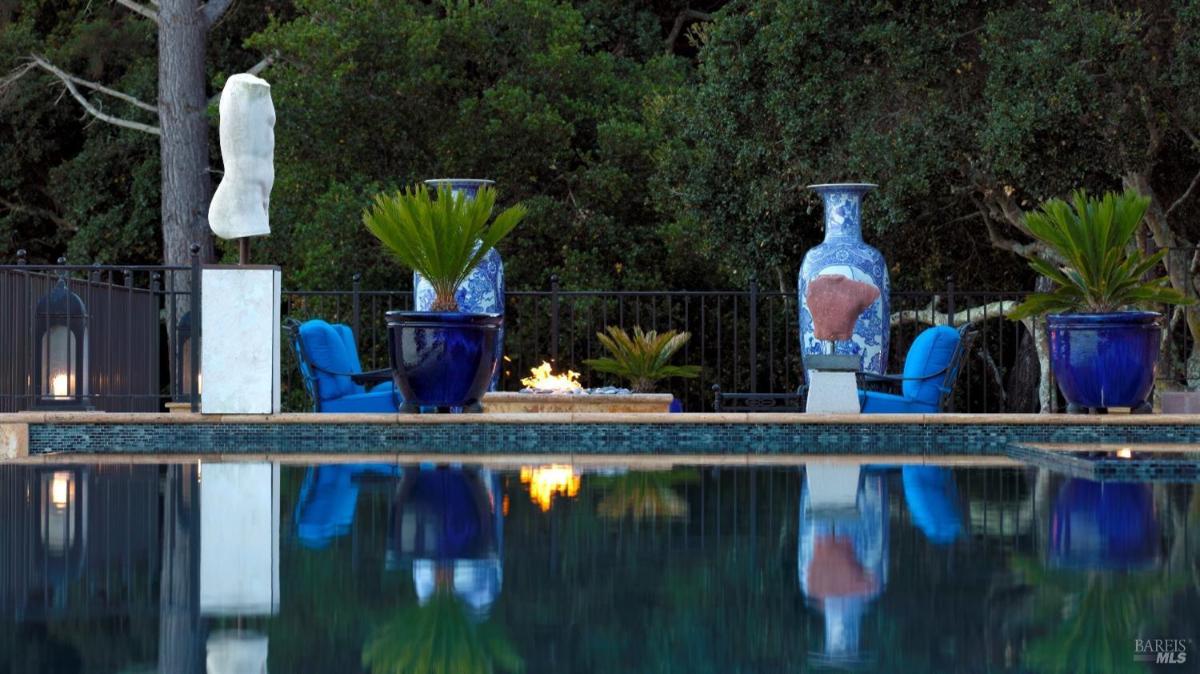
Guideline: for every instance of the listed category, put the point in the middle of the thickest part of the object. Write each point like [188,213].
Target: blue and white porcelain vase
[483,291]
[843,252]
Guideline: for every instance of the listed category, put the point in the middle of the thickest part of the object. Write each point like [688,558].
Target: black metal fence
[109,338]
[744,340]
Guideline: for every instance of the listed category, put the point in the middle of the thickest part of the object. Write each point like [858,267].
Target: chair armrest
[372,377]
[882,378]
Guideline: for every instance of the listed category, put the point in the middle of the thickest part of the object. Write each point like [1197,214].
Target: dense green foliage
[643,164]
[441,239]
[538,96]
[70,184]
[1096,267]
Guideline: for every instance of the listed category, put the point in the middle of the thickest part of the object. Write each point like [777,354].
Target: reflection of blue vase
[932,498]
[843,252]
[483,291]
[1103,525]
[865,528]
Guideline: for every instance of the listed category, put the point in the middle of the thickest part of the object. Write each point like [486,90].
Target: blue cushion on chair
[930,353]
[375,401]
[876,402]
[327,348]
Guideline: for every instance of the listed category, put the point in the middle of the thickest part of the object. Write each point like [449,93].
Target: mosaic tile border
[1145,469]
[588,437]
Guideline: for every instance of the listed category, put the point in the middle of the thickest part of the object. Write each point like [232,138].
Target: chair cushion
[876,402]
[376,401]
[930,352]
[326,346]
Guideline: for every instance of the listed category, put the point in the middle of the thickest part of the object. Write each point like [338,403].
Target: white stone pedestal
[239,539]
[832,393]
[239,339]
[832,486]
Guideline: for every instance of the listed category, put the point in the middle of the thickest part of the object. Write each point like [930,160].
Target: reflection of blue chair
[328,359]
[932,499]
[328,499]
[930,369]
[1104,525]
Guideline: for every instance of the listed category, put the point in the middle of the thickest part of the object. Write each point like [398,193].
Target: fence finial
[21,253]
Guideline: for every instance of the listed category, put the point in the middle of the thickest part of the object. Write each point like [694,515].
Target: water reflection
[1098,525]
[843,551]
[372,567]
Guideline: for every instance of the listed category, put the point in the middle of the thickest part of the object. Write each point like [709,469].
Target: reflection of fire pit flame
[546,482]
[543,380]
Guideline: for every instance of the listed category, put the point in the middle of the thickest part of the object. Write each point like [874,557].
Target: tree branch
[930,316]
[254,70]
[682,18]
[1187,193]
[70,82]
[46,65]
[214,9]
[140,9]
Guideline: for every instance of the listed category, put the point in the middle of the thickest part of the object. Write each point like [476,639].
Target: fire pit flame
[543,380]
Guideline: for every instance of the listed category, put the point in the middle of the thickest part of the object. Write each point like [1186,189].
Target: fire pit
[546,391]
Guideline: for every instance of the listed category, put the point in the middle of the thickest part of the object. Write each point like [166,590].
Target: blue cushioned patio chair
[930,370]
[328,359]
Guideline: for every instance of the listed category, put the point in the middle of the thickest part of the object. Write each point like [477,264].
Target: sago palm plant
[1101,269]
[643,358]
[442,239]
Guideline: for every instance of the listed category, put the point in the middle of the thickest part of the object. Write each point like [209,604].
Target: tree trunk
[1025,377]
[182,102]
[179,629]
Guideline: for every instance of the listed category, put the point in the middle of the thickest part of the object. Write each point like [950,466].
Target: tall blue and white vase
[483,291]
[843,252]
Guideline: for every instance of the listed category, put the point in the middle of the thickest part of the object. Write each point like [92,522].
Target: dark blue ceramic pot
[442,359]
[1105,360]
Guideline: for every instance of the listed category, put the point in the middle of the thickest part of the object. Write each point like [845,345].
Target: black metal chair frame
[311,383]
[795,402]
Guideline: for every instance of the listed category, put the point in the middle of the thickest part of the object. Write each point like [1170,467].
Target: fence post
[753,334]
[357,304]
[197,333]
[950,300]
[554,318]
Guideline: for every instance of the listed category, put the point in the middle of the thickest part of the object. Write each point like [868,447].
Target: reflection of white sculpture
[240,206]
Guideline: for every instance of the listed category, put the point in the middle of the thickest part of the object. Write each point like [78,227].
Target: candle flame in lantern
[60,385]
[543,379]
[547,482]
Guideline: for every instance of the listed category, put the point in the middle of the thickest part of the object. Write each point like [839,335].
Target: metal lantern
[60,370]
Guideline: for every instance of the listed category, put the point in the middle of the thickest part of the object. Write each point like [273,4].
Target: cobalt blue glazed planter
[844,253]
[483,291]
[442,359]
[1105,360]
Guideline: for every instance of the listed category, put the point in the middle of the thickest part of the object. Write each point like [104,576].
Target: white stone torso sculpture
[242,200]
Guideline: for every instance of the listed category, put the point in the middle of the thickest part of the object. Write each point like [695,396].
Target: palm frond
[441,239]
[642,359]
[1103,271]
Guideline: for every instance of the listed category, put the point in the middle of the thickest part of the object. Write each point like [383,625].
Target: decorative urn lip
[426,318]
[843,187]
[1106,318]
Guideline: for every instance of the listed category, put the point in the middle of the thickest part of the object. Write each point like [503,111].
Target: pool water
[229,567]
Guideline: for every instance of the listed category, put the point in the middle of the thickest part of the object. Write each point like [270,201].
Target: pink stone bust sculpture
[836,302]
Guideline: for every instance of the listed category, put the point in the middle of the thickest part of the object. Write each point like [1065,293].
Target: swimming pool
[346,567]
